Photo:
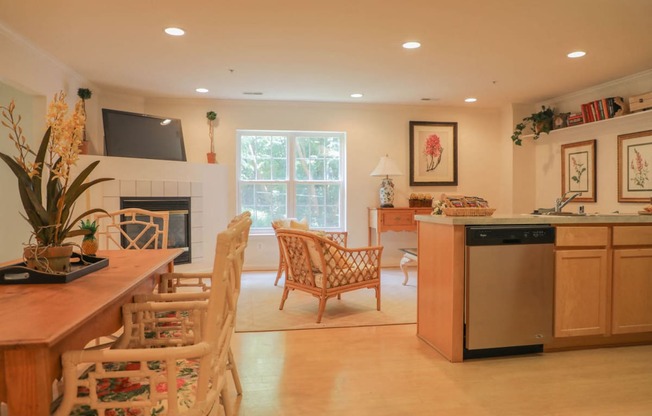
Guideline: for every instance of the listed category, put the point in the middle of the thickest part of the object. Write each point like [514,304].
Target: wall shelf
[587,126]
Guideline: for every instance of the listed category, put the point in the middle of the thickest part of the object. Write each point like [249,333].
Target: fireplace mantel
[203,183]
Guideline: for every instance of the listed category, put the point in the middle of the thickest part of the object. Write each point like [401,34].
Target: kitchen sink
[544,212]
[565,214]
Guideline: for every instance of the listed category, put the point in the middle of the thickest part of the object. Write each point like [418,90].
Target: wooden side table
[393,219]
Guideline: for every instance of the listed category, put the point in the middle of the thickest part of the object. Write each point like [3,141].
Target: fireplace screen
[178,225]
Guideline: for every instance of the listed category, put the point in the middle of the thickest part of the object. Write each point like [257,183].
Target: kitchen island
[602,279]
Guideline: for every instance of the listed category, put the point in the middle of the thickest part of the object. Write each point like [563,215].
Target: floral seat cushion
[136,388]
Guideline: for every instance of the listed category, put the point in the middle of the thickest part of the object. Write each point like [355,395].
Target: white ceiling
[500,51]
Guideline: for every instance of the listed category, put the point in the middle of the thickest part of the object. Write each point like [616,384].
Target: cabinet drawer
[633,235]
[405,218]
[582,236]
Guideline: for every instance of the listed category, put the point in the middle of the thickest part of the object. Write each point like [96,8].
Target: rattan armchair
[340,237]
[323,268]
[188,376]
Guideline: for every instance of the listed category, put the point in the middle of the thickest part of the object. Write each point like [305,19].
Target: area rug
[260,299]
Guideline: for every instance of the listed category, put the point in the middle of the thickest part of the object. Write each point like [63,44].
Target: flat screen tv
[142,136]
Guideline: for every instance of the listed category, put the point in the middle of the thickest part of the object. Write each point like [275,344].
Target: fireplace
[179,221]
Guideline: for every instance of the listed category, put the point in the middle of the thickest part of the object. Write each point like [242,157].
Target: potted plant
[89,244]
[539,122]
[211,116]
[49,204]
[84,94]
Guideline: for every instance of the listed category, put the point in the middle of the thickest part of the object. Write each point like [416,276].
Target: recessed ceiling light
[356,95]
[202,90]
[175,31]
[470,100]
[411,45]
[576,54]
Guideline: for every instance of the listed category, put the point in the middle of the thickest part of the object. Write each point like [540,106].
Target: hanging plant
[539,122]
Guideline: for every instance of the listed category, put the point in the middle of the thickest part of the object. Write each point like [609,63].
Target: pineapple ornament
[89,244]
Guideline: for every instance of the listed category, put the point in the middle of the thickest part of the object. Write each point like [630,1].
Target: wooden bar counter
[41,321]
[604,304]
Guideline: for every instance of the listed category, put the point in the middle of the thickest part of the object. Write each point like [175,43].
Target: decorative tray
[20,274]
[469,212]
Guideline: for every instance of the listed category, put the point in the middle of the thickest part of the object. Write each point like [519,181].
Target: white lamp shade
[386,167]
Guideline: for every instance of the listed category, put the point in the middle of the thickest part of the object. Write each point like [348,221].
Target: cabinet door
[632,291]
[580,292]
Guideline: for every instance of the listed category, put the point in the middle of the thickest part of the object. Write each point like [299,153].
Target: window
[292,175]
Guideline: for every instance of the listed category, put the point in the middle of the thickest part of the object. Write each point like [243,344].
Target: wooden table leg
[28,381]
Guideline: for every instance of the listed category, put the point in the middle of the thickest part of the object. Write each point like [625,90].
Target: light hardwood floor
[387,370]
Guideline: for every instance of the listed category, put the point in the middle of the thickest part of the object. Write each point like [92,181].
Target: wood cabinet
[632,280]
[581,280]
[603,280]
[393,219]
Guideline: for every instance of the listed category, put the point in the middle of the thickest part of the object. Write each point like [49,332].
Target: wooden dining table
[38,322]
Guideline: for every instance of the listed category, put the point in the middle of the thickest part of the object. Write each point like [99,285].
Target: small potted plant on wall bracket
[211,116]
[84,94]
[539,122]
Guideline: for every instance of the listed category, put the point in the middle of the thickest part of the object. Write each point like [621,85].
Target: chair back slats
[138,228]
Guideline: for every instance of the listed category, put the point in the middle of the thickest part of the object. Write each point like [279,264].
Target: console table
[40,322]
[393,219]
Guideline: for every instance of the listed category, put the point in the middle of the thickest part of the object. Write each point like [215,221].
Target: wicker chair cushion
[299,225]
[137,388]
[346,276]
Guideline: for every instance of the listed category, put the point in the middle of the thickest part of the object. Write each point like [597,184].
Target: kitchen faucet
[561,202]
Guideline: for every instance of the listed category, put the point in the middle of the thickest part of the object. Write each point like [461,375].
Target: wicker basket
[420,203]
[469,212]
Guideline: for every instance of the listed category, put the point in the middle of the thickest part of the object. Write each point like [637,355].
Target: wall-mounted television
[142,136]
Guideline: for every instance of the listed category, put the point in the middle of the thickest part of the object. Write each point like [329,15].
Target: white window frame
[290,181]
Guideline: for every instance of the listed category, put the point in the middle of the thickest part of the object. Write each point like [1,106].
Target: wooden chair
[340,237]
[140,229]
[188,375]
[323,268]
[195,286]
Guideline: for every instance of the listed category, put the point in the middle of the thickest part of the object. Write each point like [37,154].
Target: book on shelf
[602,109]
[575,119]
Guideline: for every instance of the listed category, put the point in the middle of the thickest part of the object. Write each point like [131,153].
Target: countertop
[538,219]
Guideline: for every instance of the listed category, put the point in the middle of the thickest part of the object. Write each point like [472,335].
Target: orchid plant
[49,211]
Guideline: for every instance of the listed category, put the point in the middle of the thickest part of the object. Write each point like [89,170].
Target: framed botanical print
[433,153]
[634,163]
[578,170]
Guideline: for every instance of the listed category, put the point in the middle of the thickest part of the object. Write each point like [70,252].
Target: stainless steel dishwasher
[509,275]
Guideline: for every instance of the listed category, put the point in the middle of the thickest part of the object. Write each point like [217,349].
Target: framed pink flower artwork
[433,153]
[578,170]
[635,167]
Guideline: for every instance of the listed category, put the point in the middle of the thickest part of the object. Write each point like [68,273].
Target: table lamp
[386,167]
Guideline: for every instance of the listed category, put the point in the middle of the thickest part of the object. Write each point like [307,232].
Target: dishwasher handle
[509,235]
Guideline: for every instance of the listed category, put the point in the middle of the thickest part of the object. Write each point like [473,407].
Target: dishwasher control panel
[505,235]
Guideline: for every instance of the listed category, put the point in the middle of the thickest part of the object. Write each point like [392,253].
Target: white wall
[372,131]
[546,154]
[32,78]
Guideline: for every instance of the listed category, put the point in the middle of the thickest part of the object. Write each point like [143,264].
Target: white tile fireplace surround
[205,185]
